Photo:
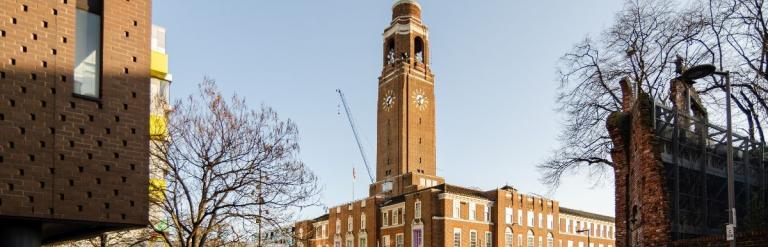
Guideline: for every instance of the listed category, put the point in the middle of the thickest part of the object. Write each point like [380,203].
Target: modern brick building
[74,104]
[409,204]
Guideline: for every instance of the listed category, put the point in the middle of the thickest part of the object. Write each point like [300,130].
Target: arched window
[350,240]
[531,239]
[550,240]
[389,57]
[418,44]
[508,237]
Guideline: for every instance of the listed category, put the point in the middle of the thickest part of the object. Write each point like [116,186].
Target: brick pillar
[642,207]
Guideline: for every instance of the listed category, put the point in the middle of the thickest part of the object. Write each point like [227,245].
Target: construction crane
[355,133]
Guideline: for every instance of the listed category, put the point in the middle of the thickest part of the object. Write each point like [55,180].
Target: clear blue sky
[494,63]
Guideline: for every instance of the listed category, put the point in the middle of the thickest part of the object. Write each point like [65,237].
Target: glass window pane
[87,54]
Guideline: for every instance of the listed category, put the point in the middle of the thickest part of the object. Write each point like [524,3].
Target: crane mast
[355,133]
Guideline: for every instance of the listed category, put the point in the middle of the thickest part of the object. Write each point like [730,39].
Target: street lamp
[588,233]
[698,72]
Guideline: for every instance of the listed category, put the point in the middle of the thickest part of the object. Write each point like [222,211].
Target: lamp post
[698,72]
[588,233]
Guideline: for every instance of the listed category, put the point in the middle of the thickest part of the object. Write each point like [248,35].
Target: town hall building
[409,205]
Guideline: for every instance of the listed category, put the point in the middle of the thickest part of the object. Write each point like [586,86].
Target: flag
[354,174]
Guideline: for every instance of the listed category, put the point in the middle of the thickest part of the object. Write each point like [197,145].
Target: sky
[494,62]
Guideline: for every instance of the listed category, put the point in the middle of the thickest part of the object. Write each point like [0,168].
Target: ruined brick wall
[642,207]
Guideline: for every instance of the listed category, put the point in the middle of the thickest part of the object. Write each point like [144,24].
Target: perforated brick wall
[64,157]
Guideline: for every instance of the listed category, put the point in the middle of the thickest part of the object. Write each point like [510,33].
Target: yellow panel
[156,189]
[158,127]
[159,65]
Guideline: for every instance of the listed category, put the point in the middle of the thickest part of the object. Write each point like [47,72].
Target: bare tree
[642,45]
[230,169]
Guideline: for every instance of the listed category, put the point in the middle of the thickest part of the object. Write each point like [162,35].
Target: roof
[406,1]
[564,210]
[321,218]
[462,191]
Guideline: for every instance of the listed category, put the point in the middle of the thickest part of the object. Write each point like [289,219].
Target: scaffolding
[693,152]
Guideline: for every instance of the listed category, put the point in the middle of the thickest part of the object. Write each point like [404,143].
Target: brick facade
[77,164]
[409,199]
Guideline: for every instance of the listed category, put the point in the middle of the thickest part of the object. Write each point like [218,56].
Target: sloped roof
[463,191]
[564,210]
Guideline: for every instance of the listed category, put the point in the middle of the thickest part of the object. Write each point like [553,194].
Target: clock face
[388,101]
[420,99]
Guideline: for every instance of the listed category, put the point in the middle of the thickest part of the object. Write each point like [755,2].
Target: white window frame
[472,211]
[529,218]
[384,220]
[456,209]
[472,238]
[399,239]
[488,239]
[417,209]
[508,215]
[457,241]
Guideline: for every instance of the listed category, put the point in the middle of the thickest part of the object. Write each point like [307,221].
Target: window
[530,218]
[530,239]
[541,219]
[419,49]
[417,238]
[88,48]
[550,240]
[520,240]
[550,222]
[160,96]
[540,241]
[520,216]
[417,209]
[472,211]
[399,240]
[385,219]
[570,243]
[488,240]
[362,221]
[385,241]
[568,225]
[349,223]
[508,215]
[487,213]
[363,241]
[509,237]
[338,226]
[456,209]
[472,239]
[325,230]
[350,241]
[395,217]
[456,237]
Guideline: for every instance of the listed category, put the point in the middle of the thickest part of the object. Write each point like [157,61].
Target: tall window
[456,237]
[472,211]
[362,221]
[488,240]
[509,237]
[88,48]
[363,241]
[508,215]
[417,238]
[472,239]
[338,226]
[417,209]
[531,239]
[487,213]
[541,220]
[350,241]
[550,222]
[399,240]
[456,209]
[419,49]
[530,218]
[550,240]
[385,241]
[520,216]
[349,223]
[384,219]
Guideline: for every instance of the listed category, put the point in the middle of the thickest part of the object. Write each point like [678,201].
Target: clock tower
[405,159]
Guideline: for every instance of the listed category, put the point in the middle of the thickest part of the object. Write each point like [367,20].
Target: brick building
[74,104]
[409,204]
